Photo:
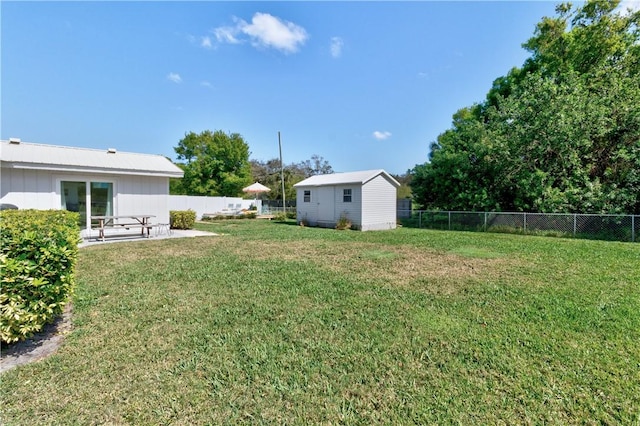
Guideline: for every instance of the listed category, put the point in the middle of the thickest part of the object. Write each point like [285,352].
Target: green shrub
[245,215]
[280,216]
[343,223]
[182,219]
[38,254]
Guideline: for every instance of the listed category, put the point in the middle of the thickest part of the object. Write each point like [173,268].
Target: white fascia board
[92,170]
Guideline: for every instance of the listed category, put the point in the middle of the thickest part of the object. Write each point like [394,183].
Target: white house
[90,181]
[366,198]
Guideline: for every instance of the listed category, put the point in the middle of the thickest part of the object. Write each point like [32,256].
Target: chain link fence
[591,226]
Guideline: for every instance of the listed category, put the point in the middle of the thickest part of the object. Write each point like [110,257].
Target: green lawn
[272,323]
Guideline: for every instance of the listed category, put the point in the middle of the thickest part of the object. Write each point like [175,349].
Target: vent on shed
[14,141]
[111,151]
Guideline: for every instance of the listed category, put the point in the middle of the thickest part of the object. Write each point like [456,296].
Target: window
[307,196]
[346,195]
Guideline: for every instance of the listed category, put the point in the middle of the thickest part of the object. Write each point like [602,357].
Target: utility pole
[284,204]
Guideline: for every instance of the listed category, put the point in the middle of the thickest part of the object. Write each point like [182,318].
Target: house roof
[21,155]
[360,178]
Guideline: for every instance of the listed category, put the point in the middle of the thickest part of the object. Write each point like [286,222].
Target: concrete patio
[175,233]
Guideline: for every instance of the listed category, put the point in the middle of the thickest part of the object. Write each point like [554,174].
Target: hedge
[182,219]
[38,254]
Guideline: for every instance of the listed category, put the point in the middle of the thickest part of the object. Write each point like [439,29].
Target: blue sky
[366,85]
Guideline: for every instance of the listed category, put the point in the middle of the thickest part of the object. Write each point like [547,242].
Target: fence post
[575,217]
[525,222]
[449,221]
[485,221]
[633,228]
[420,219]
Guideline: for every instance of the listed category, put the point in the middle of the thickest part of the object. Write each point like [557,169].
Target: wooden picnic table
[142,221]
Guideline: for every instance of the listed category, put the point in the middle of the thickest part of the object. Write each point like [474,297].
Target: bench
[110,222]
[145,229]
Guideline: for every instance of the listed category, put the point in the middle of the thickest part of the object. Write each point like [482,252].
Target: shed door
[326,205]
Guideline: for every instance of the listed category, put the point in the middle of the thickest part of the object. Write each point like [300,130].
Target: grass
[271,323]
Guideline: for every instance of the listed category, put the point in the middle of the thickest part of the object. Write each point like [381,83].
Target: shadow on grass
[286,222]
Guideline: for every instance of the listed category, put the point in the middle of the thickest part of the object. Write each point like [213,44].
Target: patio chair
[162,228]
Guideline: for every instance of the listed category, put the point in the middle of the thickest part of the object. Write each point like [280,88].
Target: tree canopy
[268,173]
[559,134]
[214,163]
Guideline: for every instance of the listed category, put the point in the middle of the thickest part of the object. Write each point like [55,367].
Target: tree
[559,134]
[268,173]
[461,172]
[404,191]
[317,165]
[216,163]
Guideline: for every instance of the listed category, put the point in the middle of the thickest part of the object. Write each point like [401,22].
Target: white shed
[89,181]
[366,198]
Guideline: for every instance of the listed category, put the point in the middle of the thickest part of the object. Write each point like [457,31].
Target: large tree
[269,173]
[317,165]
[559,134]
[214,163]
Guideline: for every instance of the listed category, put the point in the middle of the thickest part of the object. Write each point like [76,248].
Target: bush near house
[182,219]
[343,223]
[244,214]
[38,254]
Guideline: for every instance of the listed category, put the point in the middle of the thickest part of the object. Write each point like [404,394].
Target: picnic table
[141,221]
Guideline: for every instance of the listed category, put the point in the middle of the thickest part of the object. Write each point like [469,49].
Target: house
[367,199]
[89,181]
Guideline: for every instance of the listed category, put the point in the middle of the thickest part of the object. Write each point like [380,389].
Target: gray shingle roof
[63,158]
[360,177]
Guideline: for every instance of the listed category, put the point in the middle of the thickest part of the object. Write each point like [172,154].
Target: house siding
[351,210]
[379,204]
[144,195]
[39,189]
[27,189]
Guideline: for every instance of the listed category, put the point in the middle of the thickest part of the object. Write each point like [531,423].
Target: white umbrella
[255,188]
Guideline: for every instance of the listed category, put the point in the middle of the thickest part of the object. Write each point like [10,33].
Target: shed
[366,198]
[89,181]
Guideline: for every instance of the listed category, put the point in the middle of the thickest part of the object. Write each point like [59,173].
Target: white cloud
[381,135]
[206,84]
[175,77]
[227,34]
[264,30]
[336,46]
[206,42]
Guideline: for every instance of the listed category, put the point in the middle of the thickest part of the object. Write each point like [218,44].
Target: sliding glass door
[74,199]
[98,201]
[101,199]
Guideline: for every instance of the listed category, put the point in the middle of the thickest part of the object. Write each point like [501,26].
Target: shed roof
[361,178]
[21,155]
